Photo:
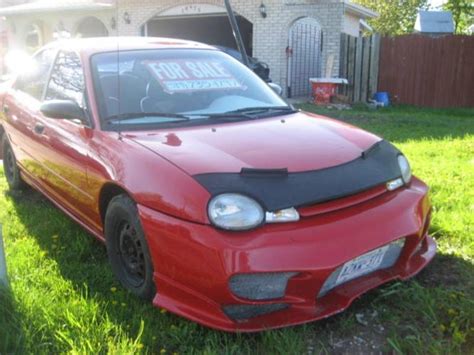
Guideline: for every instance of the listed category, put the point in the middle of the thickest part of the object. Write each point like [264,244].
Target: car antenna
[236,32]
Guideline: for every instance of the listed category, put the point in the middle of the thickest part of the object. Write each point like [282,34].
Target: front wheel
[10,167]
[127,248]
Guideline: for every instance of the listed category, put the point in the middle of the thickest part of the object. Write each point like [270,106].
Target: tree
[463,13]
[396,16]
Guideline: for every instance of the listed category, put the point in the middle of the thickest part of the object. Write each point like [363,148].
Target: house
[434,23]
[299,39]
[3,44]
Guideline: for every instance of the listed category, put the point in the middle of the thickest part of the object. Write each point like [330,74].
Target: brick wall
[3,50]
[270,34]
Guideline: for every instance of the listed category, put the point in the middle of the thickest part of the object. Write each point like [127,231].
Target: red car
[215,198]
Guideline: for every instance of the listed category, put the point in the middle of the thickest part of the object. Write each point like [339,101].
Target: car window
[67,79]
[186,82]
[116,67]
[33,80]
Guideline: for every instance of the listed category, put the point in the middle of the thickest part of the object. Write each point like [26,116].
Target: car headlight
[238,212]
[404,168]
[235,212]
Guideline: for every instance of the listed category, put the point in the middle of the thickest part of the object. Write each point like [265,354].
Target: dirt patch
[366,336]
[446,270]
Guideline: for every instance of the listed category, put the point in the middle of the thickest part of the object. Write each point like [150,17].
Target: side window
[34,80]
[67,79]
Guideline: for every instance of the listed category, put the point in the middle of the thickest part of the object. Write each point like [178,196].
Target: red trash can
[323,89]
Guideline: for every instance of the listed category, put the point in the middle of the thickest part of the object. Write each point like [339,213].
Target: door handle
[39,128]
[6,109]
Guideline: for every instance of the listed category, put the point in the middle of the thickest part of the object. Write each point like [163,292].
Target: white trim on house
[55,6]
[359,10]
[366,26]
[193,10]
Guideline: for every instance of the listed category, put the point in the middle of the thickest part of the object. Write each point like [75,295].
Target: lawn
[64,298]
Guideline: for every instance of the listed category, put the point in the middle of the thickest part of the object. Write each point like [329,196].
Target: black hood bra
[277,189]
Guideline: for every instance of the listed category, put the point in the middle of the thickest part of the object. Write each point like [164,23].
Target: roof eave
[359,10]
[21,10]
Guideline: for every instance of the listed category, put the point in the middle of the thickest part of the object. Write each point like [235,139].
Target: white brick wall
[270,37]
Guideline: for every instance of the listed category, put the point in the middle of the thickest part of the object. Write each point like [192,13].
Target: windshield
[168,86]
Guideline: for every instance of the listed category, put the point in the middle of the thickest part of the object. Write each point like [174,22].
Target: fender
[148,178]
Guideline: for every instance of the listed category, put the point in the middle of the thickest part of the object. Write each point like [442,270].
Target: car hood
[298,142]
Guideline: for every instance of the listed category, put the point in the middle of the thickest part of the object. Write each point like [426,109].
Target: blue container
[383,98]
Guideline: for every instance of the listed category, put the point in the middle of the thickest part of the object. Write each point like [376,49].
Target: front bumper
[193,263]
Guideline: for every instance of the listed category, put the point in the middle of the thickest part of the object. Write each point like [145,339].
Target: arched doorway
[91,27]
[199,22]
[304,56]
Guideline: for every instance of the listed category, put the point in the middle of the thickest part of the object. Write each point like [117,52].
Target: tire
[10,167]
[127,248]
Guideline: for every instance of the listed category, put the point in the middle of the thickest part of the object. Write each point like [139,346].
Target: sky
[436,3]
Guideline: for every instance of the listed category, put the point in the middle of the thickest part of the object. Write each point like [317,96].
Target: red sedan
[216,199]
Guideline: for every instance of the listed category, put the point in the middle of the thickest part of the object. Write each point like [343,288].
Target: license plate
[362,265]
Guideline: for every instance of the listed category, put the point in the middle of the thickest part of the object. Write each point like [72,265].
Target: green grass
[64,298]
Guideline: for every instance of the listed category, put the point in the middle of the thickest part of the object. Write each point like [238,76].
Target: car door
[21,108]
[66,142]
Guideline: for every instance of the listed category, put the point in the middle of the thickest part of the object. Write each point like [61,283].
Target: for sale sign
[191,75]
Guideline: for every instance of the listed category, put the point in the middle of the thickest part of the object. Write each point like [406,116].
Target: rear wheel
[127,248]
[10,167]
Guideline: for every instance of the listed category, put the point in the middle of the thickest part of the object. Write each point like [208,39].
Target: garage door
[199,23]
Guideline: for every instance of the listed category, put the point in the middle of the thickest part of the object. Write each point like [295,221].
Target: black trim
[277,189]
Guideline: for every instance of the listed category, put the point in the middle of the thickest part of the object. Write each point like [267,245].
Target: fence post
[358,70]
[374,65]
[365,76]
[3,264]
[343,62]
[351,67]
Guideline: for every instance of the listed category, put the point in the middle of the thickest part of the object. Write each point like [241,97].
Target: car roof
[91,46]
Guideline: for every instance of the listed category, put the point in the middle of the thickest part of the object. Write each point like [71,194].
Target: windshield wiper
[133,115]
[243,113]
[248,112]
[262,109]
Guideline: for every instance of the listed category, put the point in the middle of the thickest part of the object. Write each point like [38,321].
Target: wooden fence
[360,66]
[428,71]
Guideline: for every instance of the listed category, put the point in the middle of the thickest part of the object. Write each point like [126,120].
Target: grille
[241,312]
[260,286]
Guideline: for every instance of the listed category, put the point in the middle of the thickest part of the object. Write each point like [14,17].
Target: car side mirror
[63,109]
[277,88]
